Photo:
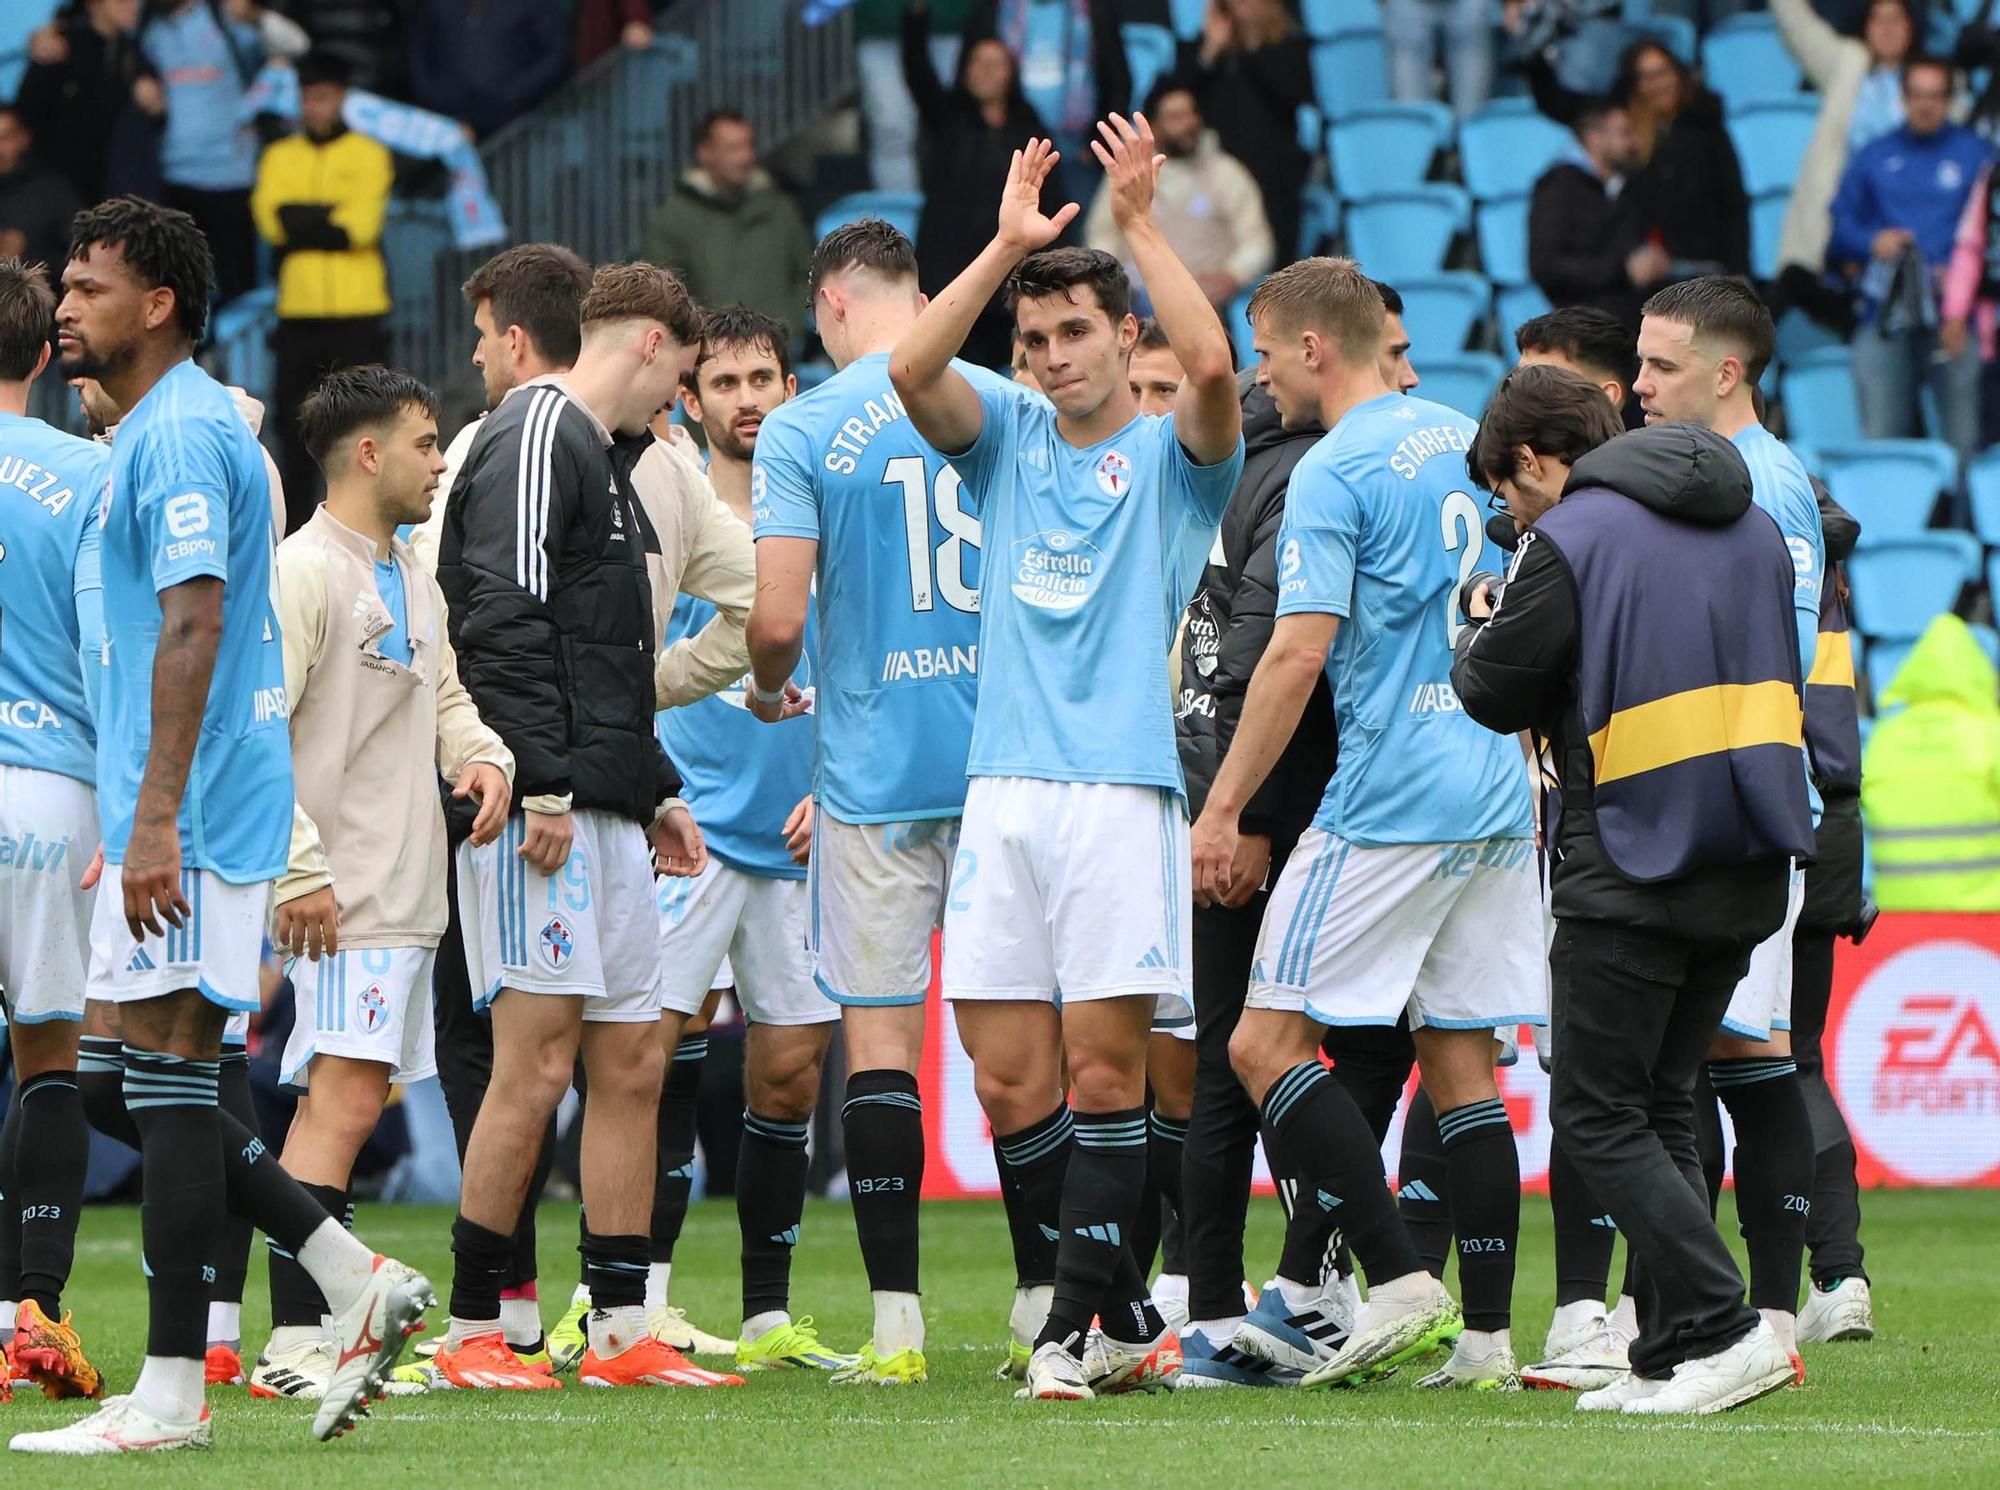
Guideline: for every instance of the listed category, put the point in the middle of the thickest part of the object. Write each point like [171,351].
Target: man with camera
[1647,636]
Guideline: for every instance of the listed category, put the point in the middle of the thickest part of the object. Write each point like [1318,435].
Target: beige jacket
[1835,65]
[1210,209]
[364,732]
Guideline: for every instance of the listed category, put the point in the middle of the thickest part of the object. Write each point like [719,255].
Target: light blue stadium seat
[1885,659]
[812,374]
[1504,152]
[1409,232]
[1503,240]
[901,208]
[1463,381]
[1820,406]
[1187,17]
[1350,71]
[1149,53]
[1988,639]
[1312,129]
[1748,64]
[1319,218]
[1331,17]
[19,20]
[1890,486]
[1767,223]
[1676,33]
[1515,304]
[1982,481]
[1386,147]
[1770,139]
[1236,321]
[1440,313]
[1901,584]
[1799,336]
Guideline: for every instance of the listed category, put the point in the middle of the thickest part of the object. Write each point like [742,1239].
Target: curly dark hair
[164,248]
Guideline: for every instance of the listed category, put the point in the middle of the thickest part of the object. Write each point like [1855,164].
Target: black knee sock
[1423,1195]
[1585,1234]
[1147,1222]
[295,1298]
[260,1189]
[233,1232]
[1312,1244]
[1032,1165]
[173,1106]
[100,1077]
[1774,1171]
[481,1263]
[10,1210]
[1708,1137]
[1833,1226]
[1340,1171]
[1166,1154]
[1486,1208]
[1126,1310]
[677,1132]
[770,1199]
[1100,1196]
[614,1270]
[882,1121]
[51,1151]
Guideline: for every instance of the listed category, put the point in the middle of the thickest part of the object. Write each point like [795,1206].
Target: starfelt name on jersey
[1421,445]
[843,452]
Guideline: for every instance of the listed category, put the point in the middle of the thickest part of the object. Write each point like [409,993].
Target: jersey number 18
[942,573]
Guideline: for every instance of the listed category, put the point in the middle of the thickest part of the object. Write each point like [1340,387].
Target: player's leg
[1587,1345]
[1374,1062]
[236,1234]
[1423,1189]
[42,1159]
[1837,1305]
[1170,1063]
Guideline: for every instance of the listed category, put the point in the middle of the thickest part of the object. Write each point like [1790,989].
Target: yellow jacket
[351,175]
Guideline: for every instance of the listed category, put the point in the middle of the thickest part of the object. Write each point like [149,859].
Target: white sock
[462,1330]
[615,1331]
[1030,1312]
[656,1285]
[1569,1316]
[286,1338]
[8,1309]
[1477,1345]
[759,1324]
[340,1264]
[899,1322]
[521,1321]
[225,1323]
[1170,1288]
[170,1389]
[579,1295]
[1411,1288]
[1626,1315]
[1217,1331]
[1297,1296]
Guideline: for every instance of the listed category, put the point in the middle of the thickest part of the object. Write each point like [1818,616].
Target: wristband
[775,696]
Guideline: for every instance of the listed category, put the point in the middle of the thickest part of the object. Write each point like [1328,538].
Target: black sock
[1833,1226]
[1585,1234]
[882,1122]
[1423,1196]
[1486,1207]
[10,1209]
[481,1262]
[52,1150]
[1774,1171]
[770,1199]
[233,1234]
[260,1189]
[295,1298]
[1032,1165]
[173,1106]
[100,1077]
[1311,1244]
[1144,1241]
[1126,1310]
[1166,1153]
[614,1270]
[1340,1171]
[1100,1196]
[677,1133]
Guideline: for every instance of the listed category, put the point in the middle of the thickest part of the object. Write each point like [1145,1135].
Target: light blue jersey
[51,616]
[1380,530]
[1095,551]
[189,499]
[897,593]
[395,642]
[742,777]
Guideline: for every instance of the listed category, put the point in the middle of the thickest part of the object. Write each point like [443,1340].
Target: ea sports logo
[558,943]
[1919,1062]
[373,1007]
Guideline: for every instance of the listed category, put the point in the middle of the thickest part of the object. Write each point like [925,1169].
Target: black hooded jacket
[1519,671]
[1229,623]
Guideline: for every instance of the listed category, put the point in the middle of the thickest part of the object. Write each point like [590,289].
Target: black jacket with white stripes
[543,564]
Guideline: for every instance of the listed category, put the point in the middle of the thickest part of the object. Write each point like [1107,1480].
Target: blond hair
[1327,295]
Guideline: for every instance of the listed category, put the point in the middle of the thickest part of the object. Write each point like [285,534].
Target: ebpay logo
[1055,569]
[1919,1062]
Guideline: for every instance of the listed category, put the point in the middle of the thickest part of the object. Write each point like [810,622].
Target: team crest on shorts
[1114,474]
[558,943]
[373,1005]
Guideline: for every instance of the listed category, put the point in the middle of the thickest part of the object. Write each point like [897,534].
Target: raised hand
[1131,166]
[1023,225]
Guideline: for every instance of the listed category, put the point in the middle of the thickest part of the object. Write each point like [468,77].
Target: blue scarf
[1071,105]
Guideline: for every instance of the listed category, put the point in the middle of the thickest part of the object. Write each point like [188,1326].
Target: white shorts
[1069,890]
[589,931]
[754,925]
[48,833]
[219,951]
[367,1004]
[1452,932]
[236,1030]
[1763,1000]
[876,894]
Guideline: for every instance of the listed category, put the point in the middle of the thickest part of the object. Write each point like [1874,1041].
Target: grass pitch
[1920,1405]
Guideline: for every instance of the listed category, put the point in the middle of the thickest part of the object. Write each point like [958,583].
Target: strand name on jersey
[843,452]
[36,482]
[930,662]
[1425,444]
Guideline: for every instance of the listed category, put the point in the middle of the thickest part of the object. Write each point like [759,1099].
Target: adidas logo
[1049,1233]
[1106,1232]
[1154,958]
[140,962]
[1605,1221]
[1327,1202]
[685,1172]
[789,1236]
[1417,1190]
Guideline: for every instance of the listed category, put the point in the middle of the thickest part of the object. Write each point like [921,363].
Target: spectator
[733,234]
[970,133]
[87,86]
[1591,344]
[207,53]
[365,34]
[1205,202]
[1417,30]
[887,102]
[1967,302]
[1073,69]
[35,203]
[1250,72]
[320,200]
[602,25]
[1861,99]
[486,61]
[1582,248]
[1894,221]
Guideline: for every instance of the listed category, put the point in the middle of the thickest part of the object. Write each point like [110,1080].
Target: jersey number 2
[1459,520]
[946,577]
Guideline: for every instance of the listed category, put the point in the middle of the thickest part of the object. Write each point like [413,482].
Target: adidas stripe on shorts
[220,949]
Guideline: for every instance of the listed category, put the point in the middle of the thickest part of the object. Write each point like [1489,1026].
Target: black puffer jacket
[1229,624]
[543,563]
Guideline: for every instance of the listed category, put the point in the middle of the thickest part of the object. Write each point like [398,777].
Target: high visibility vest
[1931,801]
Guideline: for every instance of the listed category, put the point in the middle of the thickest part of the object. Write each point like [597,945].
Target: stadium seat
[1799,335]
[1890,486]
[1236,321]
[1676,33]
[1350,71]
[1748,64]
[1770,139]
[1440,313]
[1504,152]
[1319,218]
[1187,17]
[1149,53]
[19,20]
[1516,304]
[1331,17]
[1901,584]
[1982,481]
[1820,405]
[1767,222]
[1988,639]
[1885,659]
[1503,240]
[1461,381]
[902,208]
[1409,232]
[1386,147]
[240,333]
[1312,129]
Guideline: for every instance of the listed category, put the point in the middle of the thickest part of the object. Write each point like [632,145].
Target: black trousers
[224,219]
[306,350]
[1633,1013]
